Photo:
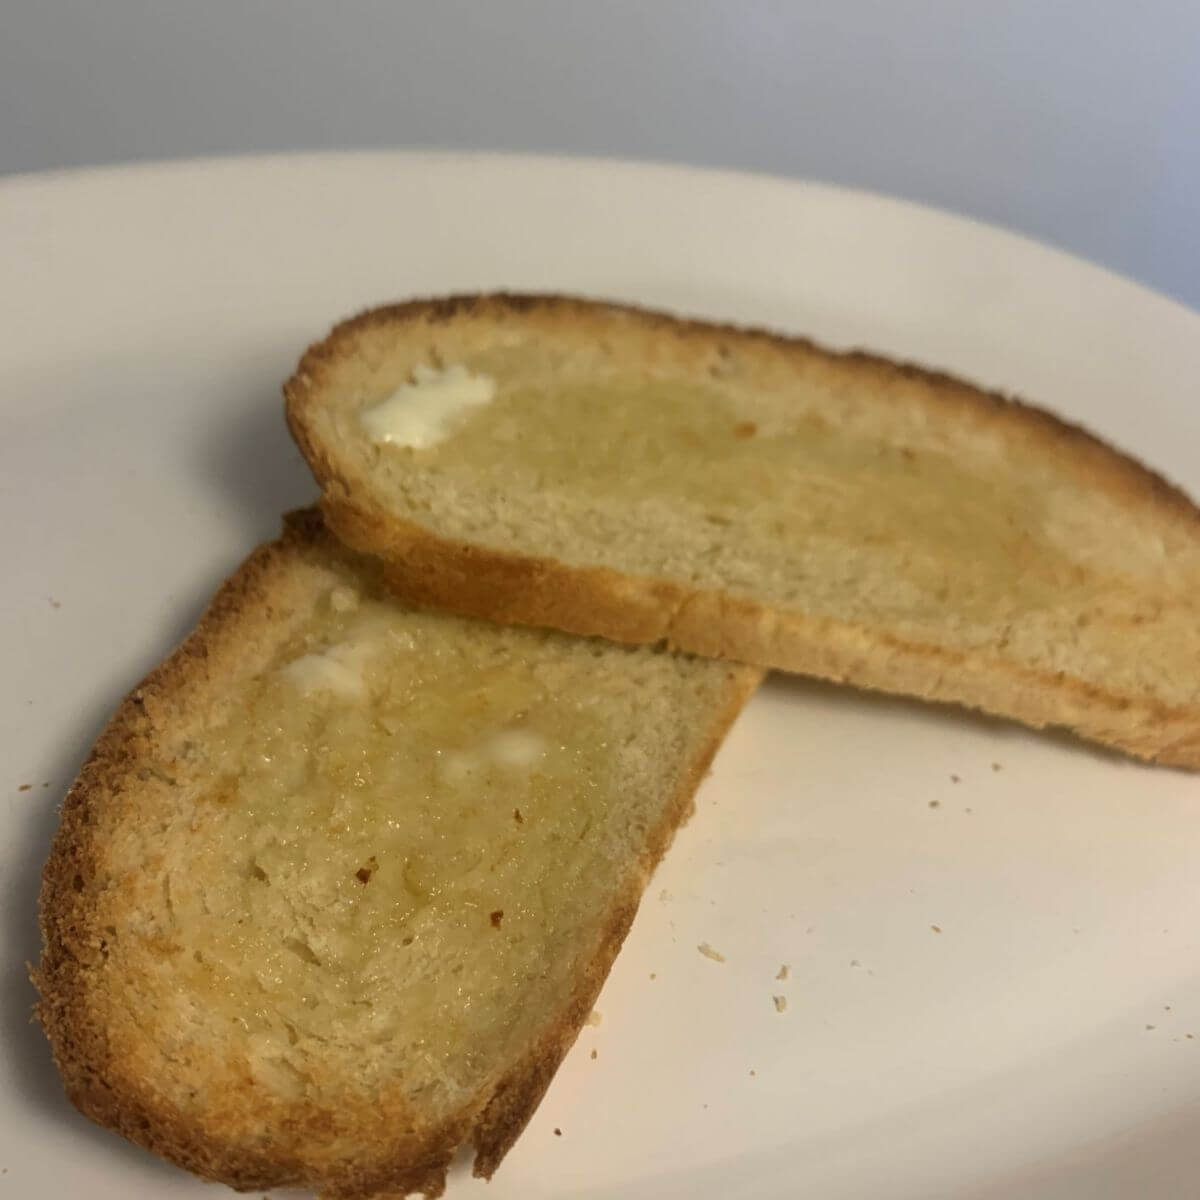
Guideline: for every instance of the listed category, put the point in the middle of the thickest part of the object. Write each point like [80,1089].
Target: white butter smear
[516,749]
[338,670]
[342,668]
[422,413]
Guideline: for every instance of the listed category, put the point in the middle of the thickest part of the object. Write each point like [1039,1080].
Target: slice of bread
[339,883]
[605,470]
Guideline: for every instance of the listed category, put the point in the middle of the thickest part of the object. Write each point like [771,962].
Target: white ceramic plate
[993,936]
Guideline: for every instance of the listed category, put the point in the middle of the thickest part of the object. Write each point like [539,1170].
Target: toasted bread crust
[381,1151]
[523,589]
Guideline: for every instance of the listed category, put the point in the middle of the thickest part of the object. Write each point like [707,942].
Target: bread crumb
[709,952]
[25,787]
[520,820]
[955,779]
[936,928]
[46,784]
[1151,1027]
[1189,1036]
[496,917]
[783,972]
[855,963]
[780,1003]
[55,603]
[997,767]
[935,804]
[594,1018]
[745,429]
[595,1054]
[557,1132]
[753,1071]
[1166,1008]
[653,975]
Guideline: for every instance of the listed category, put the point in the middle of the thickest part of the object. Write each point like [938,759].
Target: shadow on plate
[1159,1159]
[838,697]
[252,460]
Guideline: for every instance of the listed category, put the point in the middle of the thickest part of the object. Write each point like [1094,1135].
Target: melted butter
[944,531]
[350,883]
[423,412]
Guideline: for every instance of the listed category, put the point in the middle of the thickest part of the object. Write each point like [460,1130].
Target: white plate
[994,936]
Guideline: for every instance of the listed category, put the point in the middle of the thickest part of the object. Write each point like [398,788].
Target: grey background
[1075,122]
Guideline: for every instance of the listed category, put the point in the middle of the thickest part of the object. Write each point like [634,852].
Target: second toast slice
[339,884]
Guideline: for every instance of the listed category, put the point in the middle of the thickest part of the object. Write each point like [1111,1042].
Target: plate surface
[993,936]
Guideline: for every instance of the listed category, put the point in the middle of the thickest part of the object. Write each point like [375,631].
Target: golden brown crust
[366,1154]
[523,589]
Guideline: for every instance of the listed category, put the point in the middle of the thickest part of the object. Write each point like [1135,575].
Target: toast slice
[605,470]
[339,883]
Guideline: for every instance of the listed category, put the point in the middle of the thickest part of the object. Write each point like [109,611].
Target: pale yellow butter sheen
[411,892]
[771,486]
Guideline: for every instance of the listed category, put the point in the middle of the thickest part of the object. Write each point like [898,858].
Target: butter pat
[422,413]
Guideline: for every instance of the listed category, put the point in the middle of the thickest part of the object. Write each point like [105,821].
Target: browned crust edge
[524,589]
[72,945]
